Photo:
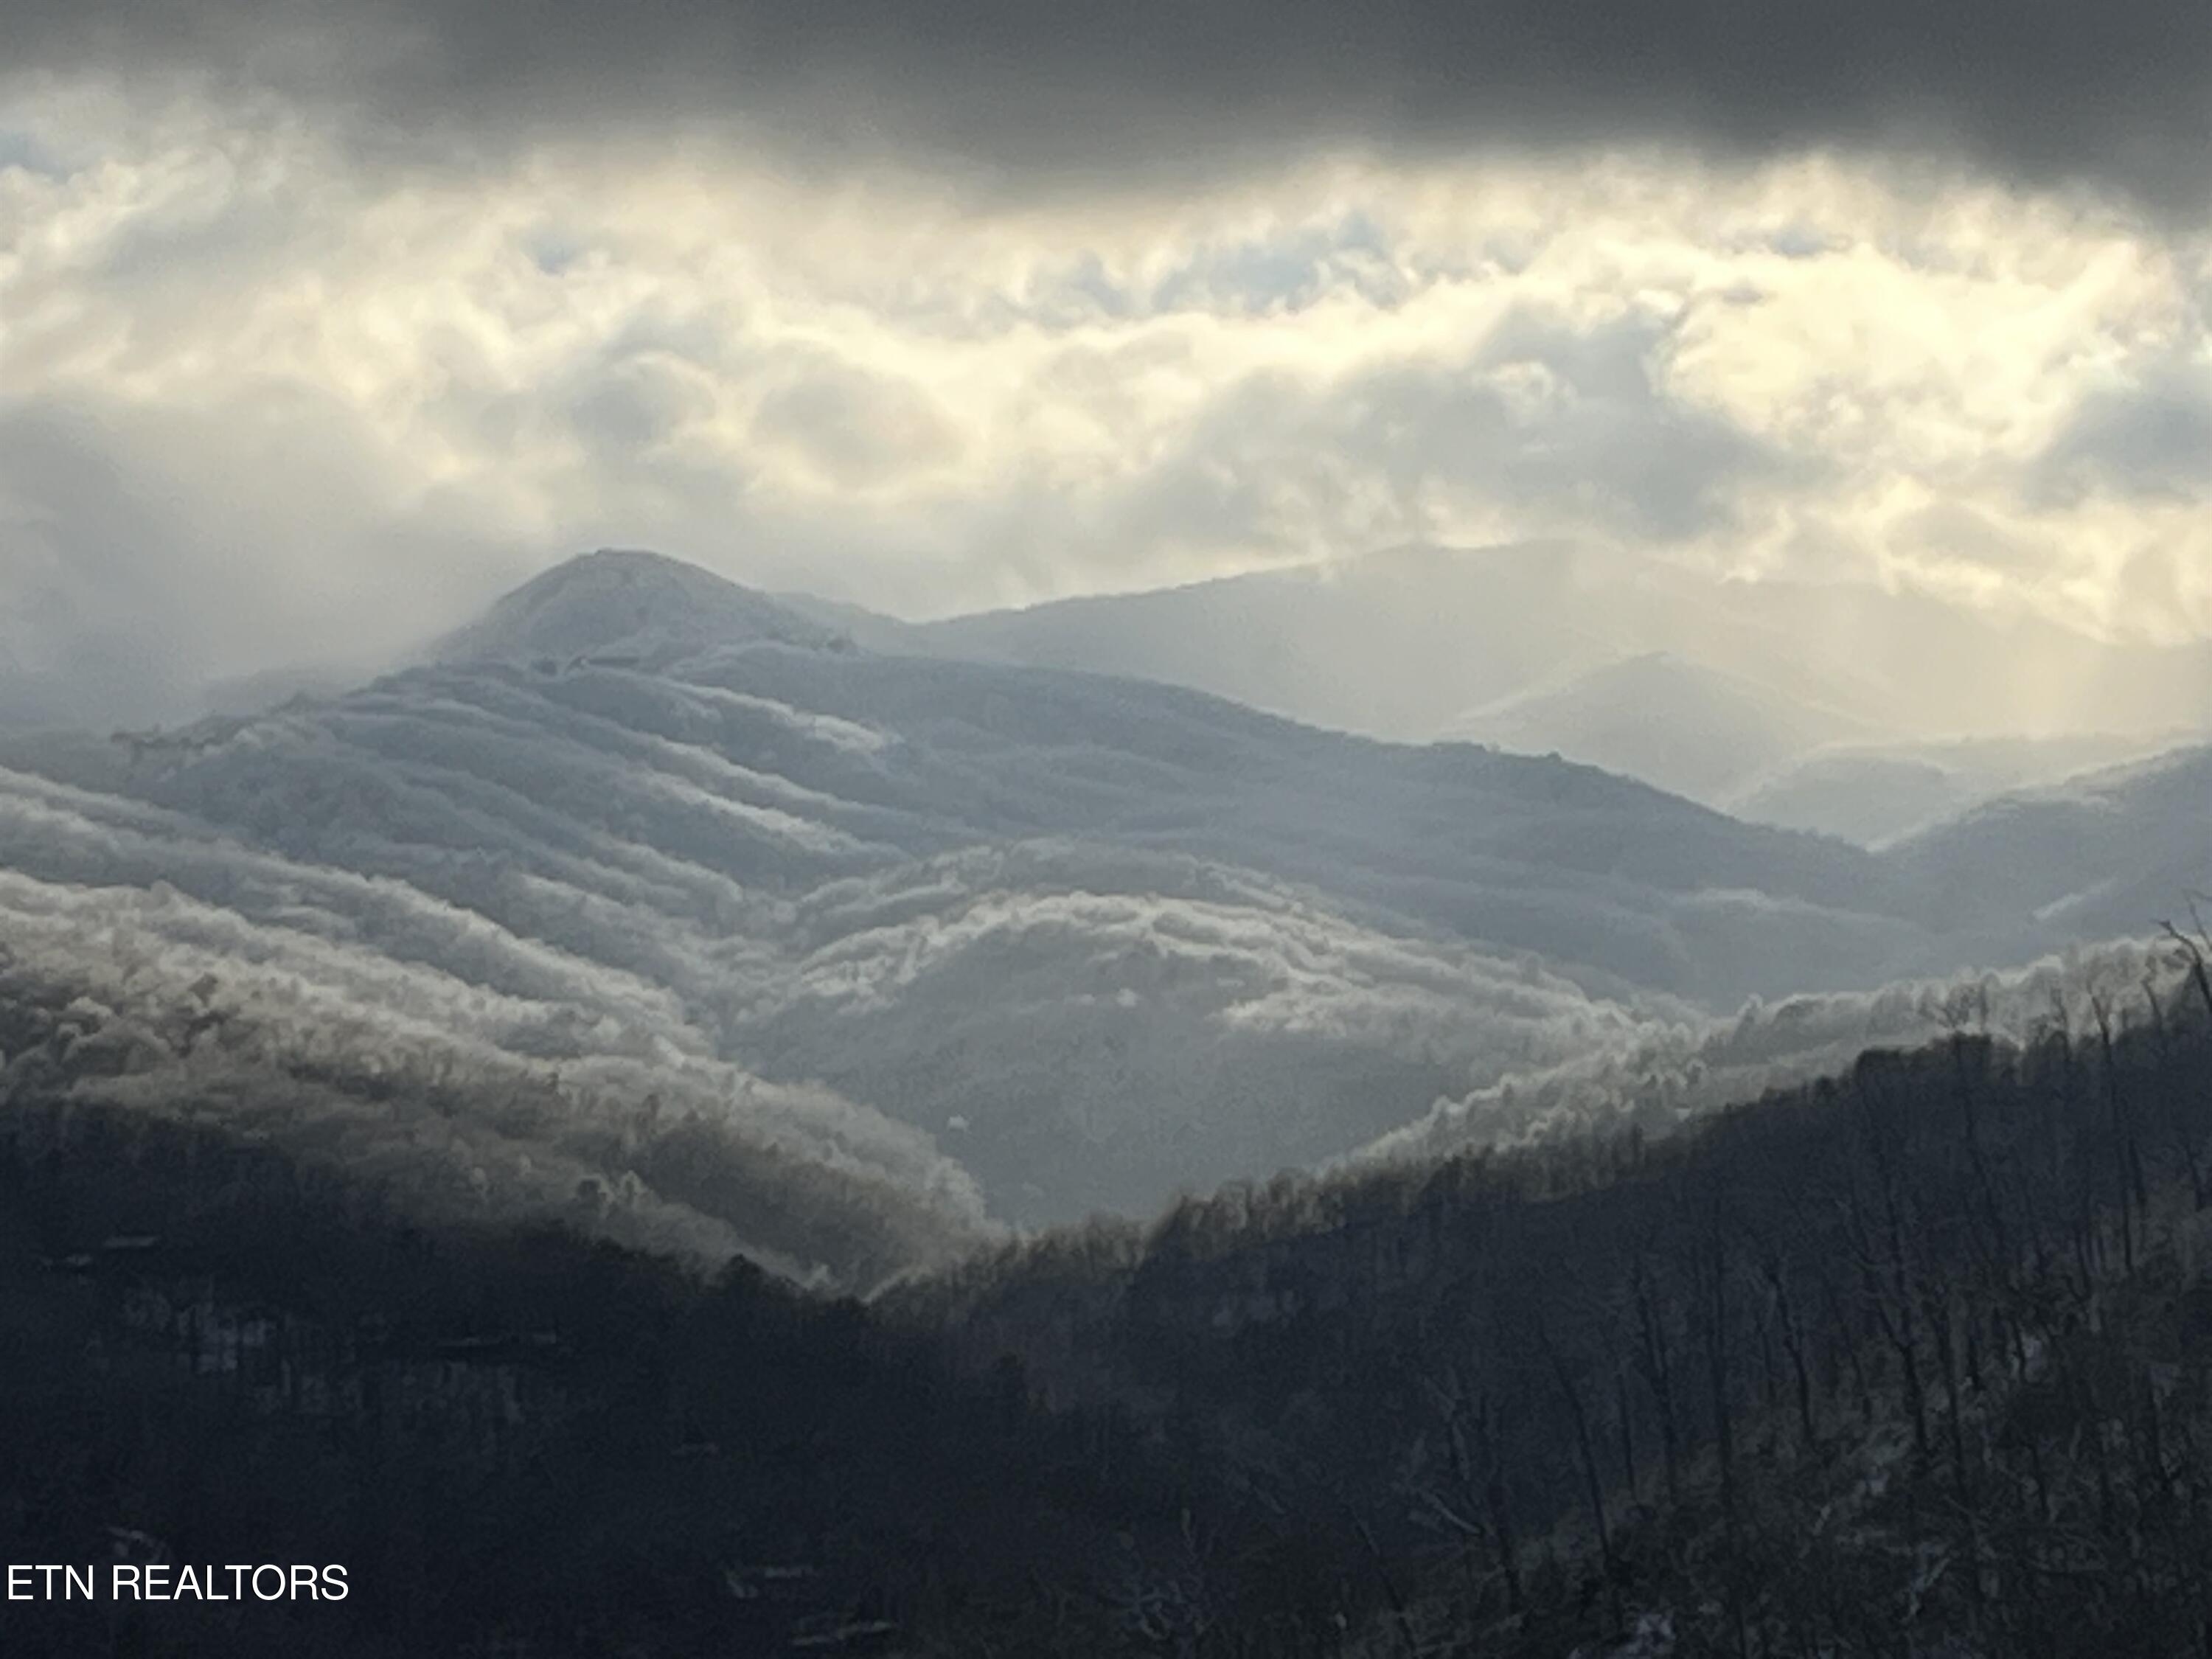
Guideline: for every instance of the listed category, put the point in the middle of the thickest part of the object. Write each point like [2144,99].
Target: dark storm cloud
[1072,91]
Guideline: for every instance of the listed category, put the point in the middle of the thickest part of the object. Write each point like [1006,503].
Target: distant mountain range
[2102,855]
[1871,793]
[1844,709]
[1840,709]
[1404,644]
[652,893]
[1764,756]
[1695,731]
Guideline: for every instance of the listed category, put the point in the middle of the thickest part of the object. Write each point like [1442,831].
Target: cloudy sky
[313,334]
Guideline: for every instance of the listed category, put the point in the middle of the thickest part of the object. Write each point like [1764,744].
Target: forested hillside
[655,882]
[1915,1359]
[1191,830]
[547,1130]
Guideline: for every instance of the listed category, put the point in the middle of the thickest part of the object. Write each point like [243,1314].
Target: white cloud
[330,401]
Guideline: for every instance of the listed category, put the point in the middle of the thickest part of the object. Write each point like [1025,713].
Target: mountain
[648,889]
[871,629]
[1870,794]
[1646,1399]
[1035,951]
[429,1101]
[1401,644]
[1755,1388]
[635,606]
[2117,851]
[1686,728]
[1392,646]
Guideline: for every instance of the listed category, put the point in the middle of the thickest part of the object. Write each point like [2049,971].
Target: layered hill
[2115,851]
[1872,794]
[1664,718]
[649,894]
[1403,643]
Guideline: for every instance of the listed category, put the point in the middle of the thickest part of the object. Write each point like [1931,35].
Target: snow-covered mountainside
[2116,851]
[618,604]
[650,897]
[1871,794]
[1664,718]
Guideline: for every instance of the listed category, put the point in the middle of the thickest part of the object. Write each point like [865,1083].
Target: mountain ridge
[630,604]
[1417,635]
[1668,719]
[1015,942]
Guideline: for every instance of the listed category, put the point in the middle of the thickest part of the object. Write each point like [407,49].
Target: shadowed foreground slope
[1919,1355]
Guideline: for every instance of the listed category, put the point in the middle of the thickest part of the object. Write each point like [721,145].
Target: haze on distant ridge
[1223,467]
[1882,327]
[648,899]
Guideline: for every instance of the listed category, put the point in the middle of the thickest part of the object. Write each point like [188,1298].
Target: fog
[1225,592]
[726,926]
[278,407]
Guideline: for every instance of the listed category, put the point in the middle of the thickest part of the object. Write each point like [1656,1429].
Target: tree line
[1918,1354]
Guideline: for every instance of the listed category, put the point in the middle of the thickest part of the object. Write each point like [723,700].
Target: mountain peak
[629,605]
